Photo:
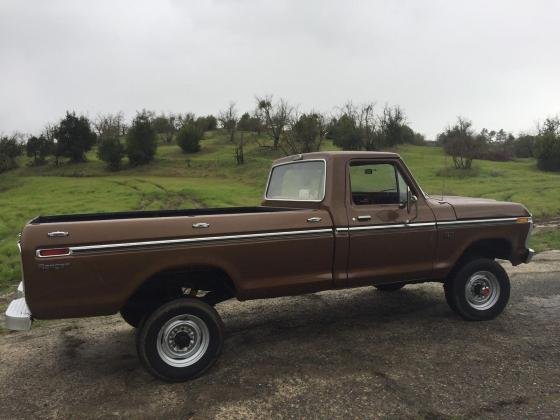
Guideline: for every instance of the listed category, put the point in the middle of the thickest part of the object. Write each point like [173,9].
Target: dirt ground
[342,354]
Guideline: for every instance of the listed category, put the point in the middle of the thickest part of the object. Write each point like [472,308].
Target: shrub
[38,148]
[189,138]
[524,146]
[141,142]
[10,149]
[547,151]
[111,151]
[306,134]
[460,142]
[345,133]
[497,151]
[74,137]
[207,123]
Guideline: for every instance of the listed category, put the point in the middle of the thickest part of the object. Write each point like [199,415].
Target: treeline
[277,124]
[73,136]
[274,124]
[463,144]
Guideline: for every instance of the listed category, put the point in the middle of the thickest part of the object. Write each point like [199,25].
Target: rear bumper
[18,315]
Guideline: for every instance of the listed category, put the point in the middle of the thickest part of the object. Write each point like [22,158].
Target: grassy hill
[211,178]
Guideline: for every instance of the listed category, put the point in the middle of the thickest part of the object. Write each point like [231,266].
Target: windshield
[297,181]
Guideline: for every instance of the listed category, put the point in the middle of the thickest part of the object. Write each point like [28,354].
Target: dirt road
[353,353]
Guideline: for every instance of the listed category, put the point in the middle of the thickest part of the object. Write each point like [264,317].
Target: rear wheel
[180,340]
[479,290]
[389,287]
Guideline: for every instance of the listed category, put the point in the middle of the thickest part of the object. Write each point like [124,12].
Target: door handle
[201,225]
[364,218]
[314,220]
[57,234]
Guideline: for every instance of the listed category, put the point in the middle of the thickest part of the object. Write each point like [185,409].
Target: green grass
[211,178]
[546,240]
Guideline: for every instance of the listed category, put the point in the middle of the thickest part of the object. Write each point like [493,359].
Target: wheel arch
[491,248]
[170,283]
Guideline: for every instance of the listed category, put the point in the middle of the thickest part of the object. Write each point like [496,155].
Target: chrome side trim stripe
[426,224]
[127,245]
[393,226]
[477,221]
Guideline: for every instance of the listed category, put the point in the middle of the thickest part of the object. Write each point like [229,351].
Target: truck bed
[155,213]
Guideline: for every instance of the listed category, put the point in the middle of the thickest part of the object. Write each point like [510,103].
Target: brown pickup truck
[328,221]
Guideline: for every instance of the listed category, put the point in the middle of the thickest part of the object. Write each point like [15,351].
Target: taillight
[53,252]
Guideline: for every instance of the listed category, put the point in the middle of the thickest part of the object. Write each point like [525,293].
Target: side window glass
[376,183]
[403,188]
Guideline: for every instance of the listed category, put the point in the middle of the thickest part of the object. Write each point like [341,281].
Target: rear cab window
[297,181]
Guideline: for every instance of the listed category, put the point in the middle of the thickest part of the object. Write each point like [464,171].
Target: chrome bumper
[18,315]
[529,256]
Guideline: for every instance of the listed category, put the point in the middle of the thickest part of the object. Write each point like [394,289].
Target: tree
[249,122]
[49,133]
[141,142]
[74,137]
[189,137]
[392,123]
[109,126]
[524,146]
[244,123]
[239,153]
[207,123]
[111,151]
[39,148]
[228,120]
[496,145]
[275,117]
[460,142]
[10,149]
[166,125]
[356,128]
[345,133]
[547,145]
[306,134]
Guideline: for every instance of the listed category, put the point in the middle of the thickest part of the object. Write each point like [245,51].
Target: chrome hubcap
[482,290]
[183,340]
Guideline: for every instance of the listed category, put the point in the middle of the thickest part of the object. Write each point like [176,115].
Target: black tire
[447,292]
[389,287]
[479,290]
[132,316]
[194,315]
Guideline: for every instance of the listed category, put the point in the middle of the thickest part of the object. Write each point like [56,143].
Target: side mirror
[411,200]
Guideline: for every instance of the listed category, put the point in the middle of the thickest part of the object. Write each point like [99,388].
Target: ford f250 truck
[328,221]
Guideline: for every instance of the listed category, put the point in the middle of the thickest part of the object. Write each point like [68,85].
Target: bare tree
[228,120]
[109,125]
[275,116]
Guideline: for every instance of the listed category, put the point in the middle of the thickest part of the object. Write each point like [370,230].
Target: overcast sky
[495,62]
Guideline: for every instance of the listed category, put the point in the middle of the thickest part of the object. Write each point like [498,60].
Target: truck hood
[476,208]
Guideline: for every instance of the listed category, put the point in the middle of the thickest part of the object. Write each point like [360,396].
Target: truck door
[392,236]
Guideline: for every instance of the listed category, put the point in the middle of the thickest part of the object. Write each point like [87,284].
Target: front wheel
[180,340]
[479,291]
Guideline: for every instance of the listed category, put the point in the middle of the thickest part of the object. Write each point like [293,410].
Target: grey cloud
[494,62]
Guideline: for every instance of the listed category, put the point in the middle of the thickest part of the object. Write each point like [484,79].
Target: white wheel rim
[482,290]
[183,340]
